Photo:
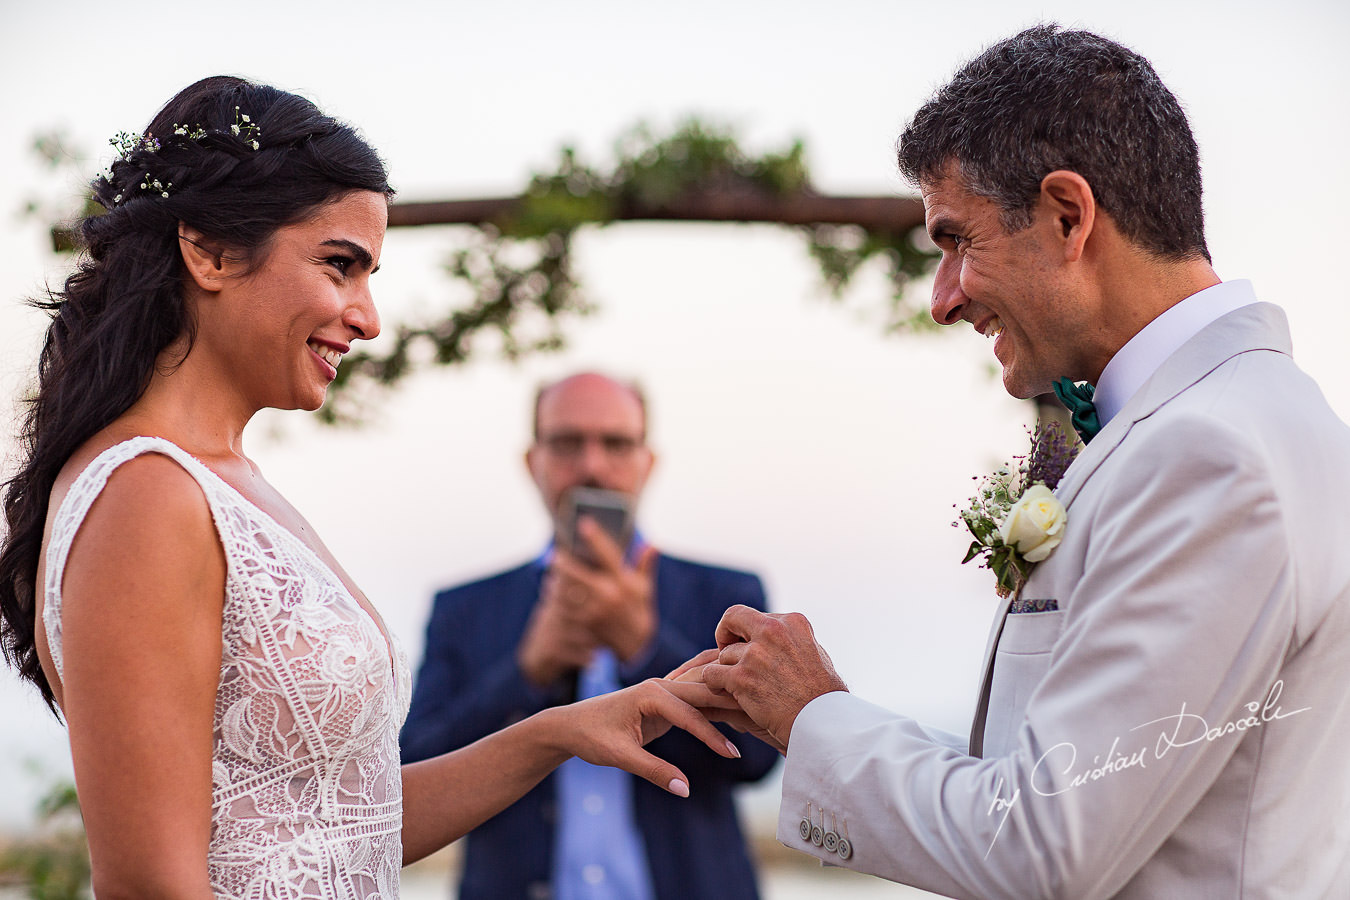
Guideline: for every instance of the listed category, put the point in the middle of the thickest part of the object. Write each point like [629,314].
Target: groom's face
[1006,284]
[590,431]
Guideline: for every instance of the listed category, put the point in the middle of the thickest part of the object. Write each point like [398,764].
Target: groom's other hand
[773,666]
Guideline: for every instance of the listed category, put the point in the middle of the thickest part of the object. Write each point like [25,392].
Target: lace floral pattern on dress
[306,791]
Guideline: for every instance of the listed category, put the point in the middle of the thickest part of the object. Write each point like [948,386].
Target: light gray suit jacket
[1180,727]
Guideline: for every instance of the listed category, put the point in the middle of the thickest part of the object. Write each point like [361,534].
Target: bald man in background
[558,629]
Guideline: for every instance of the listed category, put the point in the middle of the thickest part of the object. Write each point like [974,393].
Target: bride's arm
[446,796]
[141,637]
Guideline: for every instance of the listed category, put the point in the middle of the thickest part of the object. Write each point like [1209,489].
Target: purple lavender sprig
[1051,454]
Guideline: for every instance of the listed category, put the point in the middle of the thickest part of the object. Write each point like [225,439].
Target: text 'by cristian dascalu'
[1182,729]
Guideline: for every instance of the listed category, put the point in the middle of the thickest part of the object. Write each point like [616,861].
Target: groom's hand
[771,664]
[719,706]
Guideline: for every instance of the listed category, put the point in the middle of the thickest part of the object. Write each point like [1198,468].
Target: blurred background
[796,437]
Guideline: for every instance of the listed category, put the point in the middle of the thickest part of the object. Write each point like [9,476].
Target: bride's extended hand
[611,730]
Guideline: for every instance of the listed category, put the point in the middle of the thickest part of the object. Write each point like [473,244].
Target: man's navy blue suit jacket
[469,685]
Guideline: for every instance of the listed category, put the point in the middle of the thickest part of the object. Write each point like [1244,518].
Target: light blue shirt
[598,852]
[1141,356]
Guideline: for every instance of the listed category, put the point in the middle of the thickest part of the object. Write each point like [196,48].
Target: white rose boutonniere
[1035,524]
[1015,518]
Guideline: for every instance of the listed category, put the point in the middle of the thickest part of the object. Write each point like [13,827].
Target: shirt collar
[1141,356]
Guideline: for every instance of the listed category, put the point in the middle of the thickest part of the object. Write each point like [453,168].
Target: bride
[233,700]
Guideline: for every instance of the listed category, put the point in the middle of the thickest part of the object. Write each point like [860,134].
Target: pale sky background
[794,438]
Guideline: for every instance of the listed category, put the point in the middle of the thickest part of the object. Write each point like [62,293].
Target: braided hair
[232,159]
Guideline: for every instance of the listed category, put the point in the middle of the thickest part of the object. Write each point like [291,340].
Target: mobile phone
[611,510]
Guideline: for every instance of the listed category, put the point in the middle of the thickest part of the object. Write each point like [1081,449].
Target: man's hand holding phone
[591,596]
[615,602]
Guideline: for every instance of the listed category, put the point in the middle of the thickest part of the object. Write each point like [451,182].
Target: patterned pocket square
[1033,606]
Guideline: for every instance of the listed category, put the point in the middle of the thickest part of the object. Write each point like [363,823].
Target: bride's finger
[732,654]
[664,775]
[662,700]
[702,659]
[700,696]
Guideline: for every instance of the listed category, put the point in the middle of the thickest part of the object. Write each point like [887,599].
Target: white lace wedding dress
[307,798]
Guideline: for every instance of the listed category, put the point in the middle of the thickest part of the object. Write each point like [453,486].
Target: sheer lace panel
[306,791]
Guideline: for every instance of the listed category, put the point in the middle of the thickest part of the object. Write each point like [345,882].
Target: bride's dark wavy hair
[124,304]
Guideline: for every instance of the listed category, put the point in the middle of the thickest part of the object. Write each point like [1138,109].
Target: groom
[1165,710]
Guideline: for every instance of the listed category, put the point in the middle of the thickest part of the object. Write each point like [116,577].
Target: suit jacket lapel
[1259,326]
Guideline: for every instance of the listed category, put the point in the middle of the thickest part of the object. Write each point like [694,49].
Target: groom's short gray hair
[1049,99]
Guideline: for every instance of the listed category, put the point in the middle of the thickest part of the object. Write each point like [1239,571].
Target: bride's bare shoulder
[145,541]
[148,492]
[150,515]
[100,442]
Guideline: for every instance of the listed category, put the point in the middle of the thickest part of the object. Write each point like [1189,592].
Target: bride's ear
[203,258]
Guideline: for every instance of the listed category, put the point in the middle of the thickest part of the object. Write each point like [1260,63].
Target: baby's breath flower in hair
[244,128]
[128,144]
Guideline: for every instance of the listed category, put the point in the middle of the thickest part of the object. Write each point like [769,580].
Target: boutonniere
[1015,518]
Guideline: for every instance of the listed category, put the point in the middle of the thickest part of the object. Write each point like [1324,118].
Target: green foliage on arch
[519,270]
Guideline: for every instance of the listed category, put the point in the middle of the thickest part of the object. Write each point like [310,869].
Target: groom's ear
[1067,200]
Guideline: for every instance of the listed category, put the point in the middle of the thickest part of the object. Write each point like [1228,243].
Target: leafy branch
[518,265]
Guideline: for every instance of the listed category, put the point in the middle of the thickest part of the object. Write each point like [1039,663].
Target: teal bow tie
[1078,399]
